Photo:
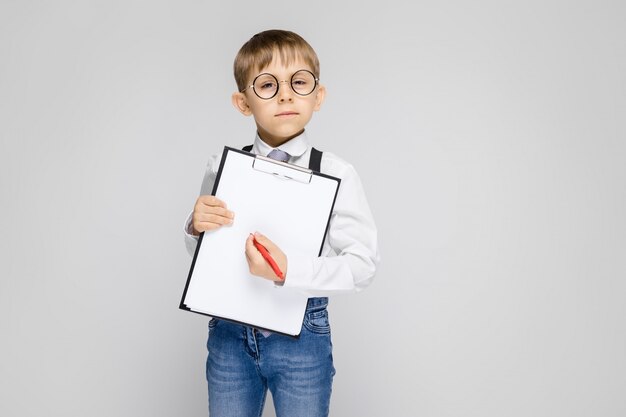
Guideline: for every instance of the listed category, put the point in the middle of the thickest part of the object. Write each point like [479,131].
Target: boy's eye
[267,85]
[299,82]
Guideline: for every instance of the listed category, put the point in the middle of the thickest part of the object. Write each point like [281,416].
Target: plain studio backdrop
[489,136]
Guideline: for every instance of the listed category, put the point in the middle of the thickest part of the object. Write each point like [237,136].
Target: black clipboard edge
[332,208]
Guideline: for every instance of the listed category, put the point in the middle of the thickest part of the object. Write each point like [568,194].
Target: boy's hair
[259,52]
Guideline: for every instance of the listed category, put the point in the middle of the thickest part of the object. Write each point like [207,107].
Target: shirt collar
[295,147]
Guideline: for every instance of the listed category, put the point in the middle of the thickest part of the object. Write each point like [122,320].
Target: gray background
[498,190]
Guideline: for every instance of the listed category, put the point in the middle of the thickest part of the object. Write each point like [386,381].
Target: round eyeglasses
[265,85]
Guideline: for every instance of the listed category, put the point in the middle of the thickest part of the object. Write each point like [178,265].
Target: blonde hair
[259,52]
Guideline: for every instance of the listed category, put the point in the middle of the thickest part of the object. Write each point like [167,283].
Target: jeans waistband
[317,303]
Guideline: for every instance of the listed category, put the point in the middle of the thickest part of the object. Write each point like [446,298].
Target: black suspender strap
[315,161]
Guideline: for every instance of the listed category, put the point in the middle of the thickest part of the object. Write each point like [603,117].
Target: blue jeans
[242,365]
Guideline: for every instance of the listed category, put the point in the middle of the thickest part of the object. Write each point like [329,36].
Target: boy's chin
[280,137]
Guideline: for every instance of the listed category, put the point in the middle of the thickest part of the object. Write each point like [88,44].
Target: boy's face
[285,115]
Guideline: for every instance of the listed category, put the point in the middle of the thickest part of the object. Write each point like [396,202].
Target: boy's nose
[284,91]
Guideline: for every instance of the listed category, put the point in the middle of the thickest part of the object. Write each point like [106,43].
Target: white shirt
[350,251]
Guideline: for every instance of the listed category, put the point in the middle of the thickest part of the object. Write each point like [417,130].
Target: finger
[219,211]
[203,222]
[205,202]
[211,200]
[216,218]
[205,226]
[212,218]
[202,209]
[263,240]
[251,251]
[256,262]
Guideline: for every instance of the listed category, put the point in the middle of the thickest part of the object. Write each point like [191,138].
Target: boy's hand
[210,213]
[258,265]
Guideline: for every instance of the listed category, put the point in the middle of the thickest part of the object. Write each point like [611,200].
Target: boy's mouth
[287,113]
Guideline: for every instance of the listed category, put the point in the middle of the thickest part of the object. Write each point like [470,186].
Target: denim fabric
[242,364]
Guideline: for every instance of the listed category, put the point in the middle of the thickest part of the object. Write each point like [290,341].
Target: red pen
[266,255]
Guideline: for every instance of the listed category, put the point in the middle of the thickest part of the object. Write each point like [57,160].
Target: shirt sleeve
[350,253]
[208,181]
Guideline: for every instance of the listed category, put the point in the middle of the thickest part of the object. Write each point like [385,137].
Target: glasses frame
[282,81]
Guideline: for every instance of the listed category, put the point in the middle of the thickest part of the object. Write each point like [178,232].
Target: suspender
[315,161]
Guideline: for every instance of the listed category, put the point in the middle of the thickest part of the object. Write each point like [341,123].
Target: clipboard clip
[282,170]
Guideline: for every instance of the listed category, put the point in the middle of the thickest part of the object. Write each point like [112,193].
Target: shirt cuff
[188,227]
[191,241]
[299,271]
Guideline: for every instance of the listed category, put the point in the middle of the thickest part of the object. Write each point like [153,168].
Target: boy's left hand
[258,265]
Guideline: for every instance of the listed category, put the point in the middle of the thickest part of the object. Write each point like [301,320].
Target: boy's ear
[241,103]
[319,97]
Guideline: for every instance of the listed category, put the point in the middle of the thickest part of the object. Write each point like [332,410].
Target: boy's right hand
[210,213]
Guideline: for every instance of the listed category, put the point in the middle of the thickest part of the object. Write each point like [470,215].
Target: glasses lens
[303,82]
[265,85]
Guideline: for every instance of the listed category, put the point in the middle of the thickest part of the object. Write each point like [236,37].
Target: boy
[277,75]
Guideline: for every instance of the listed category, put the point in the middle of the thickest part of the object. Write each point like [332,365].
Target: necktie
[279,155]
[282,156]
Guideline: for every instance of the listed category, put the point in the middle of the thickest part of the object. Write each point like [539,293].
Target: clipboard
[289,204]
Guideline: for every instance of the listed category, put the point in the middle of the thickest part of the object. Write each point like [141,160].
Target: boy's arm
[350,254]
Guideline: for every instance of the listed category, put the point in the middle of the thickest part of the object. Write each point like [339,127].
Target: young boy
[277,75]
